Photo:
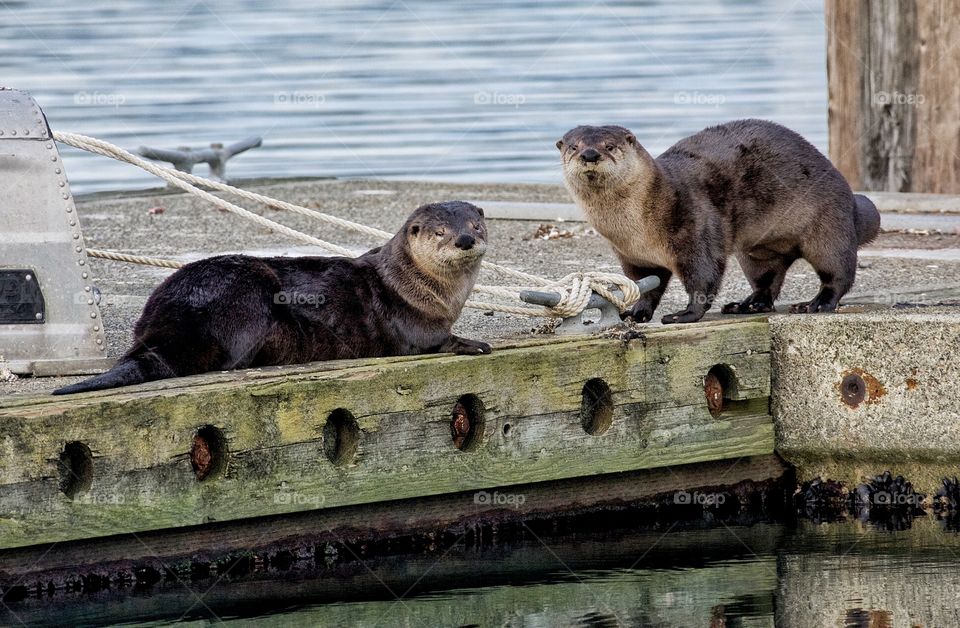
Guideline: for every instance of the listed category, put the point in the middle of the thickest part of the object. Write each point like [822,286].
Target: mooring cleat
[585,322]
[49,317]
[185,158]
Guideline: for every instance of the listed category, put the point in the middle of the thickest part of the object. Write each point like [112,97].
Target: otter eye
[440,233]
[610,146]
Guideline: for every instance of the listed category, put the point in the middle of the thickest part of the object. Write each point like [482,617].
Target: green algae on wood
[281,455]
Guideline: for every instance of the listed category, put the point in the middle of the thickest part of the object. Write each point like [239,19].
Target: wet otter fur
[749,188]
[238,311]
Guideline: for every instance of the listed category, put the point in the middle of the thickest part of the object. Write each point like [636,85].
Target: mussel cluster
[946,504]
[884,500]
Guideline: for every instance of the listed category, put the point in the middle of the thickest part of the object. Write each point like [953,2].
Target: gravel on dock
[187,229]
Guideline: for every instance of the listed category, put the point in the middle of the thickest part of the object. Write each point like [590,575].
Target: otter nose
[465,242]
[590,155]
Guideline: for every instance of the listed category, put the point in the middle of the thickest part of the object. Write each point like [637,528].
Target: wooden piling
[893,73]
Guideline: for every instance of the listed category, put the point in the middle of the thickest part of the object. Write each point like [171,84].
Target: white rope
[575,289]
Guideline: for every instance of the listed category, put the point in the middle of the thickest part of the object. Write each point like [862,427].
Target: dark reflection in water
[801,575]
[474,91]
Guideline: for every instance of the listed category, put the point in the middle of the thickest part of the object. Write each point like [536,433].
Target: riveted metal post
[43,256]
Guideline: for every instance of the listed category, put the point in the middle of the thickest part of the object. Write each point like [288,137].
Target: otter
[750,188]
[238,311]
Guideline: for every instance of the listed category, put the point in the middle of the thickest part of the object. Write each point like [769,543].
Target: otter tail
[866,218]
[129,370]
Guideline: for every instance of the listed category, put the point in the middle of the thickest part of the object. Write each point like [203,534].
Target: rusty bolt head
[713,389]
[201,458]
[853,390]
[459,425]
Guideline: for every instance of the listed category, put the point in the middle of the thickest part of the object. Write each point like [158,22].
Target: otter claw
[643,318]
[470,347]
[681,317]
[748,308]
[638,316]
[811,307]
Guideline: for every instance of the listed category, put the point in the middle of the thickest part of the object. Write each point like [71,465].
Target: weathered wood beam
[322,436]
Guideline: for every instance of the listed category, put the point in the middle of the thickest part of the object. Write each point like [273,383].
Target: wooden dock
[318,437]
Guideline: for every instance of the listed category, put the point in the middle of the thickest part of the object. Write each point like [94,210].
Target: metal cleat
[185,158]
[49,319]
[581,323]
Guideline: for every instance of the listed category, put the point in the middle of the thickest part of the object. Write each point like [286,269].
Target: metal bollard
[185,158]
[609,314]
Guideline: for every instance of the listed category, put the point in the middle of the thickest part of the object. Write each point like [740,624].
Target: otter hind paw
[747,307]
[812,307]
[686,316]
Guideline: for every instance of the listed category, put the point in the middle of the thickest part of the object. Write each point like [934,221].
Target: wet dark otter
[237,311]
[750,188]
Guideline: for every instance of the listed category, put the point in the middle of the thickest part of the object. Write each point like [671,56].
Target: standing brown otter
[750,188]
[237,311]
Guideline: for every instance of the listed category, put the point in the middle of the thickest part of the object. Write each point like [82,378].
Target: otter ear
[560,144]
[631,139]
[414,229]
[480,211]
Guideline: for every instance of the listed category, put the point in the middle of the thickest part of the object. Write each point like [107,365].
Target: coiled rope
[575,289]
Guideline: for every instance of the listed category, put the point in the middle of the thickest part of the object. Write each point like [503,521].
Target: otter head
[600,157]
[447,238]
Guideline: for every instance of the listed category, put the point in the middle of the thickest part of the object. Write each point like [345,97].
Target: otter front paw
[464,346]
[641,312]
[686,316]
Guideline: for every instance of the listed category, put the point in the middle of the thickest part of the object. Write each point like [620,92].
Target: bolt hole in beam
[467,422]
[717,387]
[341,437]
[208,454]
[75,468]
[596,407]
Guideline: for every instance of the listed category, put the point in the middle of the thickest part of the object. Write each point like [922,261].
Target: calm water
[810,576]
[476,91]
